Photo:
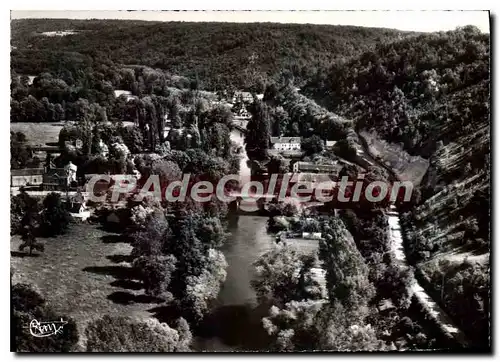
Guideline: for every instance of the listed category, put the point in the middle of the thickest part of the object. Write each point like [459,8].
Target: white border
[187,5]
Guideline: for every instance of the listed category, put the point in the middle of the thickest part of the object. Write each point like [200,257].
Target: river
[235,320]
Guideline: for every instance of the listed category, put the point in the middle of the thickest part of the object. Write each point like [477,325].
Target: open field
[38,134]
[83,274]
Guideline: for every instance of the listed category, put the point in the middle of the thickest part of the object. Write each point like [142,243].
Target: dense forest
[431,95]
[411,91]
[218,54]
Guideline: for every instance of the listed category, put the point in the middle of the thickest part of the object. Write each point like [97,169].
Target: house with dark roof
[55,178]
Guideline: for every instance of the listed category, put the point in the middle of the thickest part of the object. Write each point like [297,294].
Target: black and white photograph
[250,181]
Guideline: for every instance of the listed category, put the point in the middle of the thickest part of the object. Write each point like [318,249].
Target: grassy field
[38,134]
[84,274]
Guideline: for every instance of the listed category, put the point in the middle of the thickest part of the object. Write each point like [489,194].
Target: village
[38,182]
[213,187]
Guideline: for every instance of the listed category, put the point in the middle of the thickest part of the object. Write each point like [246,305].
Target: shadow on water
[238,327]
[226,328]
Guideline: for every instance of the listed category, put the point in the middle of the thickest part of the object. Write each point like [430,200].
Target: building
[330,144]
[316,168]
[26,177]
[59,178]
[70,170]
[54,179]
[128,94]
[285,143]
[246,97]
[311,181]
[79,211]
[242,113]
[311,236]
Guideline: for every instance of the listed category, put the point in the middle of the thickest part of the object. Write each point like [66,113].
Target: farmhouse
[286,143]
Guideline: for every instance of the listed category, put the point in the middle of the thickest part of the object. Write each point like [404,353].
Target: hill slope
[218,54]
[430,95]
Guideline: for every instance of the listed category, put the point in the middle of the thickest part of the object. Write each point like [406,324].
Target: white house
[314,236]
[286,143]
[166,131]
[70,170]
[78,208]
[245,96]
[330,144]
[127,94]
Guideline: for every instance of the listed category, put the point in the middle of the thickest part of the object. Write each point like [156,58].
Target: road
[398,253]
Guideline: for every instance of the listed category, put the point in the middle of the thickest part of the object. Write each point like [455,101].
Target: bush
[55,216]
[27,305]
[123,334]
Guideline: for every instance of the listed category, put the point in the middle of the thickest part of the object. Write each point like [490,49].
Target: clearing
[39,134]
[83,274]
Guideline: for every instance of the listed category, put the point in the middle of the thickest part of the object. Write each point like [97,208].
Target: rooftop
[285,139]
[311,166]
[27,172]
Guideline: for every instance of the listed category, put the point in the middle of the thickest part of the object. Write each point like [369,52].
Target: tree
[20,153]
[55,217]
[133,139]
[168,171]
[156,272]
[29,241]
[277,165]
[279,121]
[312,145]
[279,277]
[125,334]
[200,289]
[217,140]
[181,257]
[23,211]
[28,305]
[150,239]
[346,271]
[319,326]
[258,132]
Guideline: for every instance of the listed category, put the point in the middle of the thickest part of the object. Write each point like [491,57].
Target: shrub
[27,305]
[124,334]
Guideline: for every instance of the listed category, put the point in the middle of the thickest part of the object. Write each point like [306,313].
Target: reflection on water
[235,321]
[248,241]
